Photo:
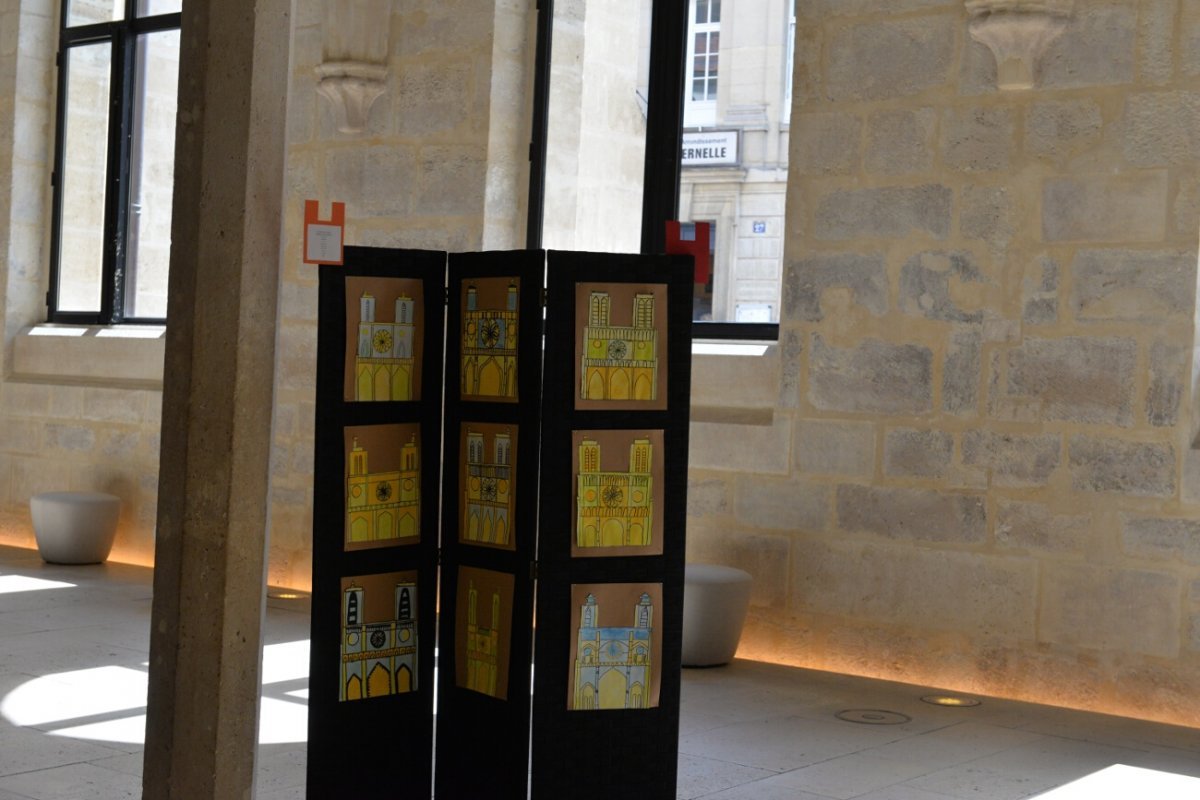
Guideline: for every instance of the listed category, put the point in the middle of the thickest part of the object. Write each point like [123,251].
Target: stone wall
[74,435]
[976,469]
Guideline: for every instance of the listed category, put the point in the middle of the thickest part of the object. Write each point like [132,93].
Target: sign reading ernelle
[710,148]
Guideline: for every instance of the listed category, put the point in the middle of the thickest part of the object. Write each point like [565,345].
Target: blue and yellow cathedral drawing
[383,505]
[384,361]
[614,509]
[489,347]
[483,645]
[619,362]
[612,665]
[488,489]
[379,658]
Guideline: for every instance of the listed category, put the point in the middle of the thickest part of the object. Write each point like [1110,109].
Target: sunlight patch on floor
[1121,782]
[22,583]
[108,703]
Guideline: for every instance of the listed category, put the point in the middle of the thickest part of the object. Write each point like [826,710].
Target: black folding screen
[439,439]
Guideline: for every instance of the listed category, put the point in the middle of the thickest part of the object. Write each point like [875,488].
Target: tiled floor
[72,695]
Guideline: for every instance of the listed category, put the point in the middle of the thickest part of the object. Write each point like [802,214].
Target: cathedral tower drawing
[383,505]
[619,362]
[379,657]
[613,665]
[614,509]
[489,347]
[488,490]
[384,362]
[483,645]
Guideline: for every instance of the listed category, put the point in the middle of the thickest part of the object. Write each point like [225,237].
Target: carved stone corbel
[1017,32]
[353,72]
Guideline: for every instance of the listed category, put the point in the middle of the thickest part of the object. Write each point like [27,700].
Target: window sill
[735,383]
[129,356]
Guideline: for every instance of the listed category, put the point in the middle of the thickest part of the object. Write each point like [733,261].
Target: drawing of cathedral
[379,658]
[612,665]
[488,489]
[383,505]
[384,363]
[619,363]
[614,509]
[489,347]
[483,646]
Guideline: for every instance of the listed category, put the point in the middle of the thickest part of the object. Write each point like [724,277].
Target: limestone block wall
[969,461]
[442,164]
[55,435]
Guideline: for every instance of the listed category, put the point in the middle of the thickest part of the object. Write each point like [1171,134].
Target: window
[704,47]
[118,68]
[614,84]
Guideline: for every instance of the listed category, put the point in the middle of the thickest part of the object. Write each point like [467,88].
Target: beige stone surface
[988,344]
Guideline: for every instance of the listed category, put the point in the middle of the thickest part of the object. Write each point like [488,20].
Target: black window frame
[664,143]
[123,35]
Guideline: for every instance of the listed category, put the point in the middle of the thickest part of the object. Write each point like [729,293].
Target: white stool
[715,600]
[74,527]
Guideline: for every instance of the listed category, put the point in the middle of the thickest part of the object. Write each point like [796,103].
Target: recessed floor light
[950,700]
[873,716]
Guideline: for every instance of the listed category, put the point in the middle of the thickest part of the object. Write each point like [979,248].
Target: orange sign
[323,238]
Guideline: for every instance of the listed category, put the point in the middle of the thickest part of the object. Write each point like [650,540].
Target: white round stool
[74,527]
[715,600]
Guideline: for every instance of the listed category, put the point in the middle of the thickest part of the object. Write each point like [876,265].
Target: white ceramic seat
[74,527]
[715,599]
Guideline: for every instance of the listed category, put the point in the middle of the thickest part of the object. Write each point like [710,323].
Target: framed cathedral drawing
[383,485]
[379,635]
[620,346]
[617,493]
[488,484]
[489,352]
[384,339]
[616,652]
[483,631]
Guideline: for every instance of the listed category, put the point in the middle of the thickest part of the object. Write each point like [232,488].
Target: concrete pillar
[217,400]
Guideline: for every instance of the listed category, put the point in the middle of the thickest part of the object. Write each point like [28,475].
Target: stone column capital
[1017,32]
[353,72]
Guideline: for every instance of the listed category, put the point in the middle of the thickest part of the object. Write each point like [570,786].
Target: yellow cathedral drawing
[612,665]
[379,658]
[489,347]
[483,645]
[488,490]
[614,509]
[383,505]
[619,362]
[384,361]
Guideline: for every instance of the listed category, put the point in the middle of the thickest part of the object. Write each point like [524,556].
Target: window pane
[151,174]
[88,12]
[735,176]
[596,133]
[701,44]
[701,11]
[149,8]
[81,233]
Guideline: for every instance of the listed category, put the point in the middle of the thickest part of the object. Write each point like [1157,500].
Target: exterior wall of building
[746,201]
[969,461]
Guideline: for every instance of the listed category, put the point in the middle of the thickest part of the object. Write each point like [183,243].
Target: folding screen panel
[489,523]
[611,532]
[375,524]
[571,448]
